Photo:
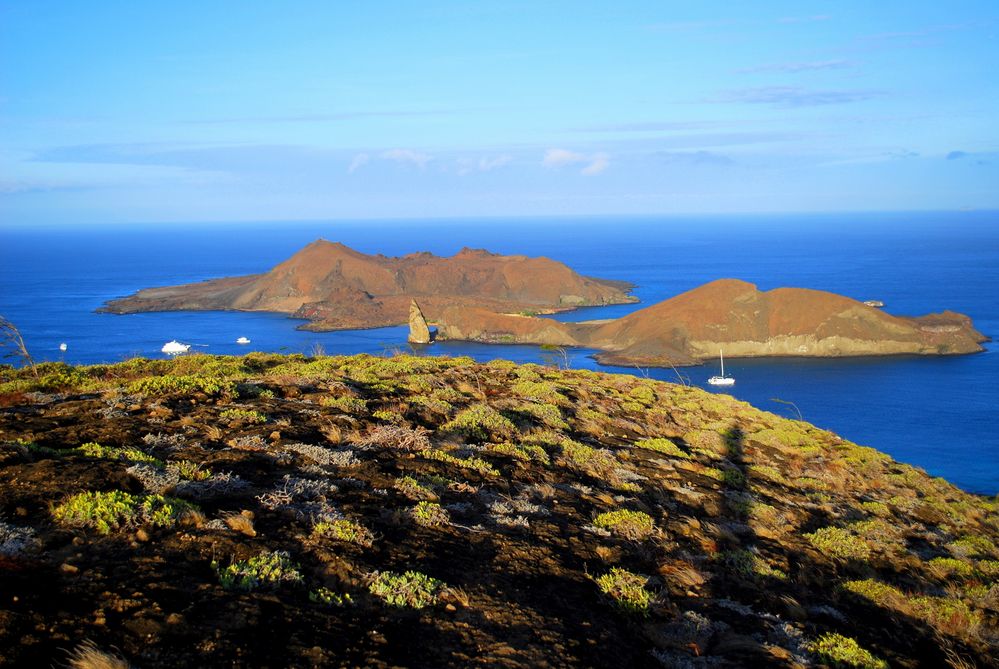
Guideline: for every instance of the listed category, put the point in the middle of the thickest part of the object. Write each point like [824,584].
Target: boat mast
[722,356]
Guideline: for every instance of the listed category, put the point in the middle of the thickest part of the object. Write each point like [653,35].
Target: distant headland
[337,288]
[735,316]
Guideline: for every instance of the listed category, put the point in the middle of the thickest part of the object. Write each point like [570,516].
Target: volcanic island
[485,297]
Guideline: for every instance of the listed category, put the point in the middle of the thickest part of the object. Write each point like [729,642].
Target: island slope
[736,317]
[336,287]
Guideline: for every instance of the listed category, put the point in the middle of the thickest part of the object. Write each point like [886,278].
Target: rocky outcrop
[419,332]
[336,287]
[736,317]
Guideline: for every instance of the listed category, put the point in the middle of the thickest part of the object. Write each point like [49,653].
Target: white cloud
[598,163]
[359,161]
[406,156]
[561,157]
[594,163]
[490,164]
[484,164]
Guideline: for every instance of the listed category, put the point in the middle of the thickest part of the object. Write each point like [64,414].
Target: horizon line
[492,217]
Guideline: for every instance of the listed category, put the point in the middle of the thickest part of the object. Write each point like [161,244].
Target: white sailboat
[242,340]
[721,380]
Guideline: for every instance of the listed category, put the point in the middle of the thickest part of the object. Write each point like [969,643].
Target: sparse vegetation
[843,652]
[343,530]
[481,422]
[94,450]
[430,514]
[839,544]
[538,503]
[244,415]
[635,525]
[267,570]
[626,589]
[410,589]
[108,511]
[662,445]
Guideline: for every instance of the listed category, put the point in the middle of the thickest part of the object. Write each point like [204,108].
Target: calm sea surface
[941,414]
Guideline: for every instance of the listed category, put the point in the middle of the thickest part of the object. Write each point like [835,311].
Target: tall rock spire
[419,333]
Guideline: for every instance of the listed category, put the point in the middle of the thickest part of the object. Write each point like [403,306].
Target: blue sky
[197,111]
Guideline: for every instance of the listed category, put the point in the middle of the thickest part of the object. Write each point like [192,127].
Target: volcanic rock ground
[569,519]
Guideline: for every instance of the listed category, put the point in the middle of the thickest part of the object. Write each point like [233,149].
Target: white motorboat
[242,340]
[721,380]
[174,347]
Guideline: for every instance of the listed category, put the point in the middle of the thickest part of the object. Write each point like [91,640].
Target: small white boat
[242,340]
[174,347]
[721,380]
[63,347]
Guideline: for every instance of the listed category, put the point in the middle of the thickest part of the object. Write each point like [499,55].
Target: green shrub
[879,509]
[839,651]
[408,590]
[626,589]
[345,404]
[413,489]
[165,511]
[882,594]
[524,452]
[182,385]
[549,414]
[634,525]
[430,514]
[476,464]
[245,415]
[328,597]
[102,511]
[343,530]
[94,450]
[541,391]
[664,446]
[480,422]
[749,565]
[107,511]
[267,570]
[388,416]
[189,471]
[433,404]
[597,462]
[839,544]
[944,567]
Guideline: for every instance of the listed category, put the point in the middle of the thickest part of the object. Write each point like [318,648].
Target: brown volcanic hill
[737,317]
[338,287]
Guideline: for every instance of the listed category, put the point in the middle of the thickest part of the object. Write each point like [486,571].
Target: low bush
[411,589]
[267,570]
[839,651]
[635,525]
[626,589]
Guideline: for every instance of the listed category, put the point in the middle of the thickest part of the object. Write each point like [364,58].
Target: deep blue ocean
[941,414]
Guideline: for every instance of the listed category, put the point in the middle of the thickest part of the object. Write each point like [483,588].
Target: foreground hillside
[361,511]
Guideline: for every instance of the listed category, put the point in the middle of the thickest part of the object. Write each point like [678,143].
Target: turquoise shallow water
[937,413]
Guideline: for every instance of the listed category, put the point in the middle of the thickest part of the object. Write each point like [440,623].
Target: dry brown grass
[88,656]
[395,436]
[214,432]
[332,432]
[241,522]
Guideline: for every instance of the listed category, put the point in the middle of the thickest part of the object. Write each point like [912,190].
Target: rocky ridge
[734,316]
[335,287]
